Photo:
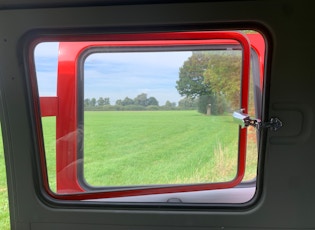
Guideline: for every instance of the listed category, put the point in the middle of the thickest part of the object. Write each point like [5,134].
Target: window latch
[244,121]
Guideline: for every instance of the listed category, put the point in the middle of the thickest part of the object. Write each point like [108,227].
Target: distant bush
[152,107]
[134,107]
[218,104]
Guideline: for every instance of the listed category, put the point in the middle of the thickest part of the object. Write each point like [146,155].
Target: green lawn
[125,148]
[154,147]
[149,147]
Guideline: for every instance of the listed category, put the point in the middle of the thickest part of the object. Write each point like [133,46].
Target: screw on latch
[274,124]
[244,121]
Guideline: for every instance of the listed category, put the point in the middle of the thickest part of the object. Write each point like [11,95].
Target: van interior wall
[285,197]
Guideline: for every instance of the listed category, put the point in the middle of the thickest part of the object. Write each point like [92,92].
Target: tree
[188,103]
[87,102]
[152,101]
[191,76]
[191,81]
[213,77]
[127,101]
[106,101]
[101,101]
[119,102]
[217,104]
[93,102]
[224,76]
[168,104]
[141,99]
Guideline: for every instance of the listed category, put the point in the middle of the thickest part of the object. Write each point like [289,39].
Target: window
[146,116]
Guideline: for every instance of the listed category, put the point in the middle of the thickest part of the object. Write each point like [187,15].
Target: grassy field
[160,147]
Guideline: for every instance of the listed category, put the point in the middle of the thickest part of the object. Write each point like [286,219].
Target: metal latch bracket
[244,121]
[274,124]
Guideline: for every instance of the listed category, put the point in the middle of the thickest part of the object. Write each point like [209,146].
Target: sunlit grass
[161,147]
[4,206]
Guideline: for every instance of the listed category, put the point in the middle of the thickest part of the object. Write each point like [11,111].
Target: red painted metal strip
[68,187]
[146,191]
[67,121]
[48,106]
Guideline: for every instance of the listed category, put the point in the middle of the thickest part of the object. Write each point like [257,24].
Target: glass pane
[161,117]
[46,63]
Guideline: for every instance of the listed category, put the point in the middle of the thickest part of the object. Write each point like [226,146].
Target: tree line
[209,80]
[139,103]
[213,78]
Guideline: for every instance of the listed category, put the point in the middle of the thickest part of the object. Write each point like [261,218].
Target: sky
[116,75]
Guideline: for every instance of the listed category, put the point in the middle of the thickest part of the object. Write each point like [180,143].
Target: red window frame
[65,106]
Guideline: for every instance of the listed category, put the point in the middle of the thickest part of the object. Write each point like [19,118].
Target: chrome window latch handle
[244,121]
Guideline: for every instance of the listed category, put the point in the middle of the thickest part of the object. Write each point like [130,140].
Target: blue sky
[116,75]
